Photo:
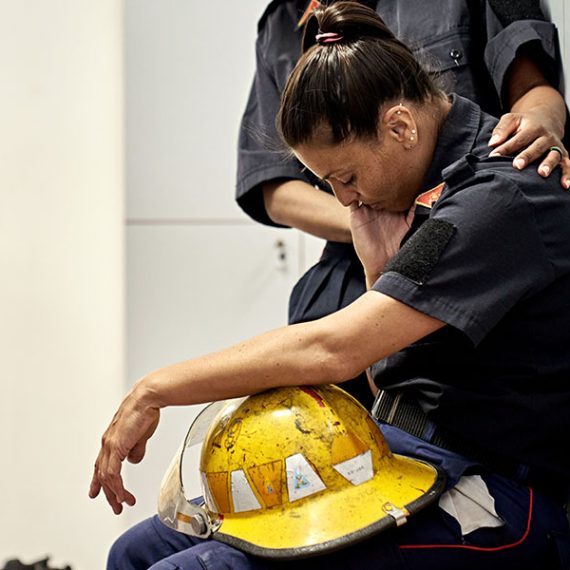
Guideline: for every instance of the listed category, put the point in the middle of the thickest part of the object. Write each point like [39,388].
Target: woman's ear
[398,123]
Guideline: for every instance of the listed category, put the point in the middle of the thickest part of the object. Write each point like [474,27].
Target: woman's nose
[344,194]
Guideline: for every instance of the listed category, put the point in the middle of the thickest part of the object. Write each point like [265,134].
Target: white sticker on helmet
[358,469]
[243,497]
[302,480]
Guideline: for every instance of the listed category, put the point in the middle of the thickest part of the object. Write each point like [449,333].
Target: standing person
[469,318]
[503,58]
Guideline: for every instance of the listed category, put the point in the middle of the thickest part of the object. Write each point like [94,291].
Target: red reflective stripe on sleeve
[480,548]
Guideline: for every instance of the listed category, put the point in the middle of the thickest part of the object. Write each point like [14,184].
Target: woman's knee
[208,555]
[145,544]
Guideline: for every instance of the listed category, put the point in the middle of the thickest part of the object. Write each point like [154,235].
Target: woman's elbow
[337,366]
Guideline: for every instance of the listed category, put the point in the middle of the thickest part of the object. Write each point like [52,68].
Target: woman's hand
[125,438]
[376,235]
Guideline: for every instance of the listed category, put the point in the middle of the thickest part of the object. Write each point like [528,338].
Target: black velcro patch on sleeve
[421,252]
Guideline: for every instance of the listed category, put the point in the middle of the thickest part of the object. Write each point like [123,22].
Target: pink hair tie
[328,37]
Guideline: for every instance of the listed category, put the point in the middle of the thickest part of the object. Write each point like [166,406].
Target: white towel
[471,505]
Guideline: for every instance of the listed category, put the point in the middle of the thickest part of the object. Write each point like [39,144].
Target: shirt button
[456,55]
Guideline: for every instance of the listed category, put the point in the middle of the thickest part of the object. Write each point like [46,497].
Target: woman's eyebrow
[323,179]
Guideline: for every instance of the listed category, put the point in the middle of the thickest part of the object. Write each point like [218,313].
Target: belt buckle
[392,403]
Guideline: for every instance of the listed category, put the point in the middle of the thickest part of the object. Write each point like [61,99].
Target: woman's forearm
[329,350]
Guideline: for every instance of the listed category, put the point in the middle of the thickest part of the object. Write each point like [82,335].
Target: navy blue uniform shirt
[492,261]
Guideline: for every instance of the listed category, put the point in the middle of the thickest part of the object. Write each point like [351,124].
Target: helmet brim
[329,522]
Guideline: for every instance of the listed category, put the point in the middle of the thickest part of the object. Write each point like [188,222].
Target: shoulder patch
[420,254]
[313,4]
[429,198]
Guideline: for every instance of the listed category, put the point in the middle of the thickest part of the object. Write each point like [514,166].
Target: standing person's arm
[297,204]
[272,187]
[522,55]
[536,122]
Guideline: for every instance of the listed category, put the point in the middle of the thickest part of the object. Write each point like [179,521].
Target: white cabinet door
[193,290]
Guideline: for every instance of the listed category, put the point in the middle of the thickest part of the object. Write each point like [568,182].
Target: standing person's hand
[376,235]
[125,438]
[530,136]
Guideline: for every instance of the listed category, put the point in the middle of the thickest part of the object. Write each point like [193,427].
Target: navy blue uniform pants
[534,536]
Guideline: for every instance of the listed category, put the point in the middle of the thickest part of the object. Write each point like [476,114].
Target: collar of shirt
[456,139]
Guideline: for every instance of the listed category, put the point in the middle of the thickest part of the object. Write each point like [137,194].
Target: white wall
[61,283]
[559,12]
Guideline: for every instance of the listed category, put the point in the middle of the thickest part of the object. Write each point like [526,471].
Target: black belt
[401,412]
[397,410]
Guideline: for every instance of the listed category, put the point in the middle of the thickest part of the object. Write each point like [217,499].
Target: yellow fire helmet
[294,472]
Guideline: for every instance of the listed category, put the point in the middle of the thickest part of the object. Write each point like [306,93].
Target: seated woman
[464,324]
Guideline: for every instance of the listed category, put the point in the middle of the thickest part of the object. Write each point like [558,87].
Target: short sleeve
[521,27]
[261,155]
[478,255]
